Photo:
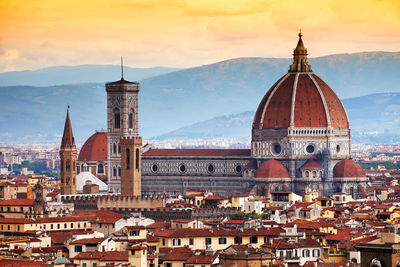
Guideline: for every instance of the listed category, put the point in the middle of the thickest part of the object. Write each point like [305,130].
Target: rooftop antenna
[122,69]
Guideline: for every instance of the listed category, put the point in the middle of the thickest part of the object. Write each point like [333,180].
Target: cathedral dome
[348,168]
[271,169]
[95,148]
[300,99]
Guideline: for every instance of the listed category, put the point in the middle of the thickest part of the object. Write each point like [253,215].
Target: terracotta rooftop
[104,256]
[199,152]
[17,202]
[348,168]
[271,169]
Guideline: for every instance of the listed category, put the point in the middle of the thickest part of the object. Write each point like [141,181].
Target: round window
[310,149]
[210,168]
[182,168]
[154,168]
[238,168]
[276,149]
[338,148]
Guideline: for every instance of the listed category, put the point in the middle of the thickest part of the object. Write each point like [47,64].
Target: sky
[176,33]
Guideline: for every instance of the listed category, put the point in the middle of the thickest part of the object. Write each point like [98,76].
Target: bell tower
[68,159]
[122,121]
[131,164]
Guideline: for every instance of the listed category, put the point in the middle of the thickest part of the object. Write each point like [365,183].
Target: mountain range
[379,112]
[174,99]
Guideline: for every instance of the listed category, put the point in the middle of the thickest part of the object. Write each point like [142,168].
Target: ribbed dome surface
[300,100]
[348,168]
[95,148]
[271,169]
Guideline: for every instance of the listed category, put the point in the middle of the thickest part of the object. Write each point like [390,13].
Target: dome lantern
[300,63]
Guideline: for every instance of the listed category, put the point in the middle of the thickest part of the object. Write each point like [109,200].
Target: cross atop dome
[300,63]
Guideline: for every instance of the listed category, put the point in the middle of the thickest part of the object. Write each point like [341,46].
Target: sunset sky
[177,33]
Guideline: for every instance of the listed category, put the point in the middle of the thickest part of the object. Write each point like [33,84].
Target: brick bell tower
[68,159]
[122,121]
[131,162]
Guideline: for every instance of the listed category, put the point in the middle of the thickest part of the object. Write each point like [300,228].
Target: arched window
[117,119]
[128,159]
[114,171]
[130,119]
[352,192]
[67,166]
[114,148]
[119,171]
[100,168]
[119,148]
[137,158]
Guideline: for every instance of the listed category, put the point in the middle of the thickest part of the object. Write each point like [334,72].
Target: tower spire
[68,139]
[300,63]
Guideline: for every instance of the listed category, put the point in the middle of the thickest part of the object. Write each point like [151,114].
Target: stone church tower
[131,161]
[122,122]
[68,159]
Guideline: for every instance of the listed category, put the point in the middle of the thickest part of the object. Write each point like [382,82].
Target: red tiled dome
[271,169]
[310,164]
[300,99]
[348,168]
[95,148]
[315,104]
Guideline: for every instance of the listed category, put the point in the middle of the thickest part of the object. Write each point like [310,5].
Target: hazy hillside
[380,112]
[77,74]
[178,99]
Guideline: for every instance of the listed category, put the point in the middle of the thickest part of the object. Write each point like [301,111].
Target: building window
[128,159]
[67,166]
[154,168]
[119,171]
[100,168]
[114,171]
[117,119]
[131,120]
[310,149]
[210,168]
[316,253]
[137,158]
[222,240]
[182,168]
[253,239]
[176,242]
[238,168]
[78,249]
[133,232]
[306,253]
[208,241]
[115,148]
[191,241]
[238,240]
[119,148]
[276,149]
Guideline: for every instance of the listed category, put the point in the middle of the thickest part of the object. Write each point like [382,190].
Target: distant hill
[177,99]
[77,74]
[373,118]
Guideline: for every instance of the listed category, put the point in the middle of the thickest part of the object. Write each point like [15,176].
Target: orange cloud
[188,32]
